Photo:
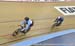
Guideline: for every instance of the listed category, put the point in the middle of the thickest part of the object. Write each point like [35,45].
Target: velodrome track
[43,14]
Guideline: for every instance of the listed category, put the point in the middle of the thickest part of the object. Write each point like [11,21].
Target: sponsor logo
[66,10]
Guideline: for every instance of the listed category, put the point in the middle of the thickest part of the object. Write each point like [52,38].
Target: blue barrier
[41,38]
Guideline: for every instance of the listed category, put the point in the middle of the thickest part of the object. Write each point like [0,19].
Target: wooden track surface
[43,14]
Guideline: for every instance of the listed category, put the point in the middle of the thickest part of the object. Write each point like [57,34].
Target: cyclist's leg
[59,23]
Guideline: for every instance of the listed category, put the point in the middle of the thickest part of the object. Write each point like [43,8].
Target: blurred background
[40,0]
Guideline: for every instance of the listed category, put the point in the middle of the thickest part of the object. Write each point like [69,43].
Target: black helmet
[26,18]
